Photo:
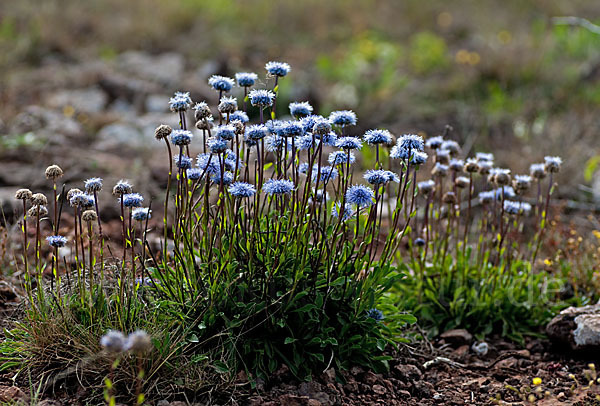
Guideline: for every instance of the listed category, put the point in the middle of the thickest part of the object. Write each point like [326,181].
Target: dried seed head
[205,124]
[89,215]
[552,164]
[462,182]
[521,183]
[449,198]
[72,193]
[122,187]
[456,165]
[439,170]
[227,105]
[442,156]
[33,212]
[537,171]
[502,177]
[426,187]
[202,111]
[23,194]
[54,172]
[471,165]
[138,342]
[39,199]
[238,126]
[484,167]
[162,131]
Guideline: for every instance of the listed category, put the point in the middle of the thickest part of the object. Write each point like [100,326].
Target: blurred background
[84,83]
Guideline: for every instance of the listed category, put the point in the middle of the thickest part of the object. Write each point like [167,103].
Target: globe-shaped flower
[328,173]
[133,200]
[181,137]
[349,143]
[207,163]
[194,173]
[509,192]
[303,168]
[522,183]
[456,165]
[277,68]
[56,241]
[225,132]
[486,197]
[246,79]
[290,129]
[93,185]
[375,314]
[138,342]
[537,171]
[227,105]
[552,164]
[275,143]
[434,142]
[181,101]
[343,118]
[239,116]
[182,162]
[141,213]
[376,137]
[305,142]
[412,142]
[113,341]
[516,208]
[257,131]
[221,83]
[202,111]
[81,200]
[399,152]
[360,196]
[249,141]
[227,178]
[426,187]
[122,187]
[216,145]
[379,177]
[452,146]
[418,158]
[261,97]
[330,138]
[320,126]
[348,211]
[483,156]
[241,190]
[278,187]
[341,157]
[300,109]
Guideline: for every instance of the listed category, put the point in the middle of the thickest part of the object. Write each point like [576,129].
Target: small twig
[438,360]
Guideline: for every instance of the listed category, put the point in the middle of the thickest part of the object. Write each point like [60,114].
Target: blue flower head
[486,197]
[509,192]
[376,137]
[278,187]
[56,241]
[277,68]
[309,122]
[246,79]
[452,146]
[261,97]
[194,173]
[328,173]
[552,163]
[180,101]
[343,118]
[242,189]
[208,163]
[216,145]
[320,125]
[375,314]
[275,143]
[360,196]
[399,152]
[380,177]
[517,208]
[227,178]
[330,138]
[239,116]
[412,142]
[225,132]
[483,156]
[348,211]
[181,137]
[249,141]
[305,142]
[257,131]
[341,157]
[418,158]
[300,109]
[349,143]
[93,185]
[81,200]
[434,142]
[141,213]
[538,171]
[290,129]
[133,200]
[221,83]
[184,163]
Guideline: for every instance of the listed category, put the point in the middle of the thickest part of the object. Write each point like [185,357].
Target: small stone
[457,337]
[11,394]
[561,397]
[460,351]
[378,389]
[506,363]
[408,372]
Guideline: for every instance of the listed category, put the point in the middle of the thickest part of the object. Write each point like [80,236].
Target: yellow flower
[537,381]
[596,234]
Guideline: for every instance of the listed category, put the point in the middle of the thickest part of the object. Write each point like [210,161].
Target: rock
[163,402]
[457,337]
[48,402]
[157,103]
[166,68]
[579,327]
[90,100]
[378,389]
[36,119]
[121,135]
[408,373]
[12,394]
[481,349]
[506,363]
[461,351]
[292,400]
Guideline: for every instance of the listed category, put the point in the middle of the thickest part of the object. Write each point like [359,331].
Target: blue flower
[320,125]
[330,138]
[349,143]
[452,146]
[221,83]
[412,142]
[538,171]
[216,145]
[375,137]
[122,187]
[278,187]
[303,168]
[418,158]
[342,118]
[319,197]
[457,165]
[552,163]
[56,241]
[305,142]
[486,197]
[348,211]
[426,186]
[419,242]
[133,200]
[379,177]
[81,200]
[181,137]
[375,314]
[328,173]
[225,131]
[483,156]
[290,129]
[275,143]
[239,116]
[399,152]
[300,109]
[434,142]
[249,141]
[341,157]
[516,208]
[184,163]
[227,104]
[246,79]
[242,189]
[202,111]
[141,213]
[257,131]
[114,341]
[180,101]
[509,192]
[93,185]
[227,177]
[194,173]
[360,196]
[230,160]
[261,97]
[309,122]
[277,68]
[208,163]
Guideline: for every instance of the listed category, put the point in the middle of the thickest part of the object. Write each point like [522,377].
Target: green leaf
[289,340]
